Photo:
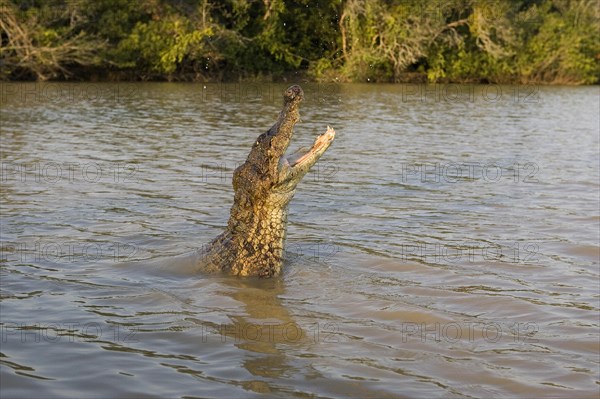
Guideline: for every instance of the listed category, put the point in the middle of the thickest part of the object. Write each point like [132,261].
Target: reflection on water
[445,246]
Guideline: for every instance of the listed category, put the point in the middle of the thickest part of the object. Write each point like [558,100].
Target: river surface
[445,246]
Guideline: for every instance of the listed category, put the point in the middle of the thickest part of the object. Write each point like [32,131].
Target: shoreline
[288,77]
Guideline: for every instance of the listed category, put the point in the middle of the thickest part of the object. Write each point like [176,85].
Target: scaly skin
[252,244]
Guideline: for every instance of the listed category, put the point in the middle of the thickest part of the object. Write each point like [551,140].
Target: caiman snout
[294,92]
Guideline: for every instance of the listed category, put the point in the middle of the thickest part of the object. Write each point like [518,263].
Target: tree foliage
[549,41]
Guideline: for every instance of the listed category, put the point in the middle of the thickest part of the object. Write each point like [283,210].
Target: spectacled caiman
[253,243]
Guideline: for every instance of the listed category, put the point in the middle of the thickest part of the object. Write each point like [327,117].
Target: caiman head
[267,166]
[264,185]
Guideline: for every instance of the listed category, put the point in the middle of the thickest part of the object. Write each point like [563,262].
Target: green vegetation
[496,41]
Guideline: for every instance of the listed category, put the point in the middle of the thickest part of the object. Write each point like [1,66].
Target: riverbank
[501,42]
[113,76]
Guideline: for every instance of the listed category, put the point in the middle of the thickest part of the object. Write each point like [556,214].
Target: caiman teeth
[322,140]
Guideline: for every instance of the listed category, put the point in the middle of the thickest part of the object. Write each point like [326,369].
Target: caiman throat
[252,244]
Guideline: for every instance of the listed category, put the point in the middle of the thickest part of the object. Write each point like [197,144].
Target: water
[447,244]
